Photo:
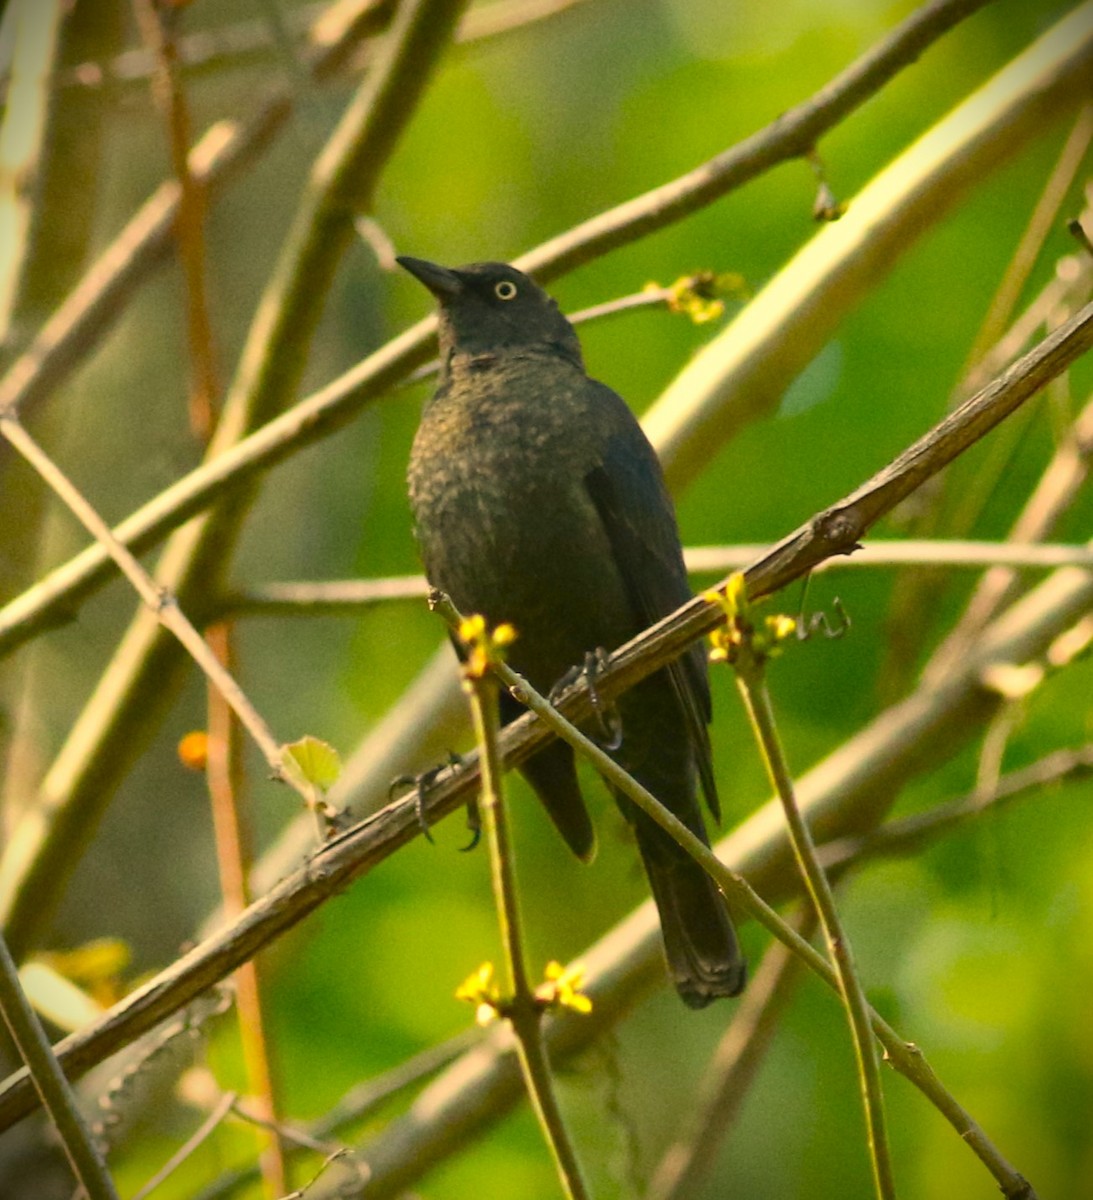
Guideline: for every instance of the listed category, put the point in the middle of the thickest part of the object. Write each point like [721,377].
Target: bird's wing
[628,491]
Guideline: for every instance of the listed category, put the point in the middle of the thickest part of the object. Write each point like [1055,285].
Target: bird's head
[490,307]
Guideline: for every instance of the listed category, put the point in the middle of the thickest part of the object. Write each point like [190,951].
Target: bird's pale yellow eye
[505,290]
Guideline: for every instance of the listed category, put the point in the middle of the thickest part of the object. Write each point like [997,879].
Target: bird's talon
[401,781]
[423,817]
[567,681]
[611,725]
[607,715]
[474,824]
[421,784]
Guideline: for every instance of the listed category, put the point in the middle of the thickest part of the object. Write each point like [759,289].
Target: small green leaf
[311,761]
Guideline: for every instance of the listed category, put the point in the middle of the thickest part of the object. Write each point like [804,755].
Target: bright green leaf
[311,761]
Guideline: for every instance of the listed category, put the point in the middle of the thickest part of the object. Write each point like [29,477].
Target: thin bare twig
[1066,292]
[348,596]
[156,598]
[1040,224]
[234,857]
[1056,490]
[316,599]
[157,30]
[237,44]
[201,50]
[289,1134]
[651,296]
[909,834]
[200,1135]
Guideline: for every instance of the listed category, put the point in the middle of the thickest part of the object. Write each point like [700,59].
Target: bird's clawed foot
[421,785]
[607,714]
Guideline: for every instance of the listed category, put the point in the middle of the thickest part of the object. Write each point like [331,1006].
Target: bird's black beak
[443,283]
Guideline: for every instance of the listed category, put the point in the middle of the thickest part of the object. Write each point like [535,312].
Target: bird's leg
[607,715]
[421,784]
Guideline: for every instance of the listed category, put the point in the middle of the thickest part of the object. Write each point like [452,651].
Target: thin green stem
[752,683]
[523,1010]
[486,721]
[50,1083]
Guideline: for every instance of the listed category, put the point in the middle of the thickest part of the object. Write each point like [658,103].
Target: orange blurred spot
[193,750]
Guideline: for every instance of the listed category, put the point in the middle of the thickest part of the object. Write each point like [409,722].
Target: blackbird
[539,501]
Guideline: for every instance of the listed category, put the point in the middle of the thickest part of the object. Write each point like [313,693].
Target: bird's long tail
[704,957]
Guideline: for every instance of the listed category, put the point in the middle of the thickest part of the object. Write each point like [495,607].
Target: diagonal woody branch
[792,135]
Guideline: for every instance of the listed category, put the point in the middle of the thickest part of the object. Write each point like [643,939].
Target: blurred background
[978,948]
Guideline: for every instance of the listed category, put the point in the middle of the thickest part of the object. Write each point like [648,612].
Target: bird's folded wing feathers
[626,488]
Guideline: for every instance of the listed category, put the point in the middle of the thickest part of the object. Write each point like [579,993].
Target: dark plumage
[538,500]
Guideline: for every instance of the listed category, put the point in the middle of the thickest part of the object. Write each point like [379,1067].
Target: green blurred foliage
[977,948]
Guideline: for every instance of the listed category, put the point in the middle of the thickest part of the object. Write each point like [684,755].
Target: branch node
[839,529]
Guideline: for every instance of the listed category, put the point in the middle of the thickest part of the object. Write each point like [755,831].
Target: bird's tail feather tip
[698,992]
